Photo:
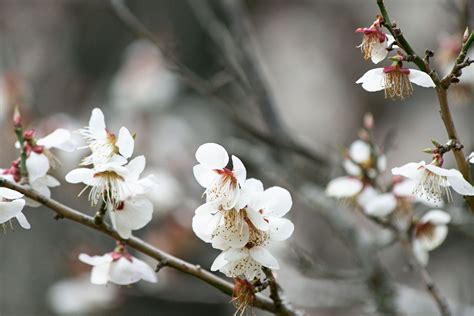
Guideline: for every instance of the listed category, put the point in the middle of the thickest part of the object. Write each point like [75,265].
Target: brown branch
[203,87]
[275,294]
[164,258]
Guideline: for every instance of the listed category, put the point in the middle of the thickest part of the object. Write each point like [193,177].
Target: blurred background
[276,87]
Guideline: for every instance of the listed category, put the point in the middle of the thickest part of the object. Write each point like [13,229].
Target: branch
[64,211]
[279,301]
[204,88]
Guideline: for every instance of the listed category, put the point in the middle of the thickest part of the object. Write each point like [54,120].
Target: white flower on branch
[395,80]
[222,184]
[434,182]
[118,267]
[374,41]
[344,187]
[11,206]
[105,145]
[430,232]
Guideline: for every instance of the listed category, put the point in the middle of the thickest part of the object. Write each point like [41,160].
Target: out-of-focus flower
[11,206]
[143,80]
[374,41]
[118,267]
[434,182]
[395,80]
[380,205]
[105,145]
[222,184]
[471,158]
[77,296]
[430,232]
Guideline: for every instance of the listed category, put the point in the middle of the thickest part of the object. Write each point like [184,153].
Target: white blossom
[222,184]
[434,182]
[375,42]
[429,233]
[11,206]
[118,267]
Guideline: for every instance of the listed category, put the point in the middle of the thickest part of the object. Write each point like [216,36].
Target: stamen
[397,85]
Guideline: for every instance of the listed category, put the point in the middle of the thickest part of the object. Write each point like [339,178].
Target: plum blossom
[434,182]
[429,232]
[11,206]
[222,184]
[118,267]
[374,41]
[105,145]
[395,80]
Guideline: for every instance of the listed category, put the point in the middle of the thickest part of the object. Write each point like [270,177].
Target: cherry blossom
[103,144]
[118,267]
[434,182]
[11,206]
[222,184]
[395,80]
[429,232]
[374,41]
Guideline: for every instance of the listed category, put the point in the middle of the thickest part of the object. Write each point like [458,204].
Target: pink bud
[17,117]
[368,121]
[465,35]
[29,134]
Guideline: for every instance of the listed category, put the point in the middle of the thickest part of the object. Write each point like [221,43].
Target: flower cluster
[395,203]
[113,179]
[38,160]
[239,217]
[396,80]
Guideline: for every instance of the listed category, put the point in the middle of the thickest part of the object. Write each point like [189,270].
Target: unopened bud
[368,121]
[17,117]
[29,134]
[434,142]
[465,35]
[428,150]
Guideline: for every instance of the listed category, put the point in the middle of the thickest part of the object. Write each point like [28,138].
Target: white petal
[21,218]
[343,187]
[37,166]
[373,80]
[125,142]
[459,184]
[60,138]
[79,175]
[136,167]
[382,163]
[235,254]
[367,195]
[51,181]
[433,241]
[410,170]
[204,175]
[8,210]
[146,272]
[219,262]
[124,272]
[471,158]
[405,188]
[420,253]
[436,217]
[100,273]
[381,206]
[280,228]
[257,220]
[351,168]
[239,169]
[95,260]
[264,257]
[136,213]
[212,155]
[97,123]
[277,201]
[359,151]
[251,188]
[421,78]
[9,194]
[204,225]
[379,52]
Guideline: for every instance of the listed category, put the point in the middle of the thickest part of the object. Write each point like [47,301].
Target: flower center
[425,230]
[433,187]
[224,190]
[243,296]
[397,83]
[256,237]
[109,186]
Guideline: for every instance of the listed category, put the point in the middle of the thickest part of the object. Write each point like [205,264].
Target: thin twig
[275,294]
[261,301]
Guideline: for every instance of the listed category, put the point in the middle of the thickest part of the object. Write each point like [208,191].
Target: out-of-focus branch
[203,87]
[64,211]
[276,295]
[441,90]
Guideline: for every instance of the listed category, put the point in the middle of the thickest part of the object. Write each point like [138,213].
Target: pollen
[397,84]
[433,187]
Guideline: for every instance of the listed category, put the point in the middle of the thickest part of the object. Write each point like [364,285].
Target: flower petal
[359,151]
[459,184]
[421,78]
[351,168]
[8,210]
[379,52]
[125,142]
[343,187]
[264,257]
[436,238]
[37,166]
[381,205]
[97,123]
[212,155]
[280,229]
[136,167]
[277,201]
[219,262]
[100,273]
[257,219]
[95,260]
[136,213]
[21,218]
[146,272]
[410,170]
[204,175]
[60,138]
[436,217]
[373,80]
[9,194]
[420,253]
[80,175]
[239,169]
